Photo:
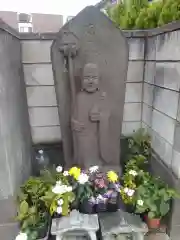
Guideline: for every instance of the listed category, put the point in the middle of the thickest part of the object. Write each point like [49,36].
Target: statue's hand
[95,116]
[76,125]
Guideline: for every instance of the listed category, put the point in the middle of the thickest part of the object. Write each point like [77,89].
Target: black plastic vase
[86,207]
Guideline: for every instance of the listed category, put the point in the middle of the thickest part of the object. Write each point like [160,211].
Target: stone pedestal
[123,225]
[75,226]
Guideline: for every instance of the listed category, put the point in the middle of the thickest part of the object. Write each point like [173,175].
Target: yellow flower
[75,172]
[112,176]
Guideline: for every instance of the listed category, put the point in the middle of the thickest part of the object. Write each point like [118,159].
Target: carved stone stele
[90,87]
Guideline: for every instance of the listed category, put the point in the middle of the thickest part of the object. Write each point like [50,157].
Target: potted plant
[84,194]
[153,198]
[32,212]
[59,194]
[140,143]
[40,197]
[132,179]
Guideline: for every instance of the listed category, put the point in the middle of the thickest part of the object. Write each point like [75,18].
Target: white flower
[83,178]
[60,202]
[69,189]
[58,183]
[59,169]
[59,189]
[140,202]
[130,192]
[40,151]
[126,190]
[59,210]
[100,197]
[21,236]
[93,169]
[92,200]
[65,173]
[133,172]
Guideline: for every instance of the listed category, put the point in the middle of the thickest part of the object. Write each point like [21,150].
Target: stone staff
[69,51]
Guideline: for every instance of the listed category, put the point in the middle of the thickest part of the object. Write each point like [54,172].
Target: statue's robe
[92,147]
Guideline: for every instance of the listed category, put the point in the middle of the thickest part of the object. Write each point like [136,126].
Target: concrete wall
[161,104]
[42,104]
[41,97]
[15,140]
[134,84]
[152,90]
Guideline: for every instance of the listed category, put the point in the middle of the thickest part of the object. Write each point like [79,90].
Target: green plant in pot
[32,212]
[153,198]
[132,178]
[33,222]
[84,194]
[140,143]
[58,199]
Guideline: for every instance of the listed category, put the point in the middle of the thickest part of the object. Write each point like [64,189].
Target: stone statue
[90,121]
[90,118]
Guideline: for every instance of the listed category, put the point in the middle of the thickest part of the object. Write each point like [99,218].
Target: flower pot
[112,207]
[101,207]
[130,208]
[153,223]
[43,229]
[115,202]
[86,207]
[42,232]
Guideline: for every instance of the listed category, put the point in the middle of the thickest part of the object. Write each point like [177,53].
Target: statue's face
[90,80]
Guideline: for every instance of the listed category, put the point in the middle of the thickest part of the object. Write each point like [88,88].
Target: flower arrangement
[59,196]
[132,178]
[92,187]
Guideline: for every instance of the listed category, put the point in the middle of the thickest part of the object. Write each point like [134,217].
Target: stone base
[121,224]
[75,226]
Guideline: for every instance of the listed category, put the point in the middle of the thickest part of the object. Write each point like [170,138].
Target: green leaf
[151,215]
[24,225]
[23,208]
[65,207]
[164,208]
[53,207]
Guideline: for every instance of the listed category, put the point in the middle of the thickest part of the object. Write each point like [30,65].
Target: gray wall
[41,97]
[134,84]
[161,104]
[15,140]
[42,104]
[152,90]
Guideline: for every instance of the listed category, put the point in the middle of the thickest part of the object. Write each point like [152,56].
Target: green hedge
[141,14]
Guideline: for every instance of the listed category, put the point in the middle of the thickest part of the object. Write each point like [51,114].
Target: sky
[63,7]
